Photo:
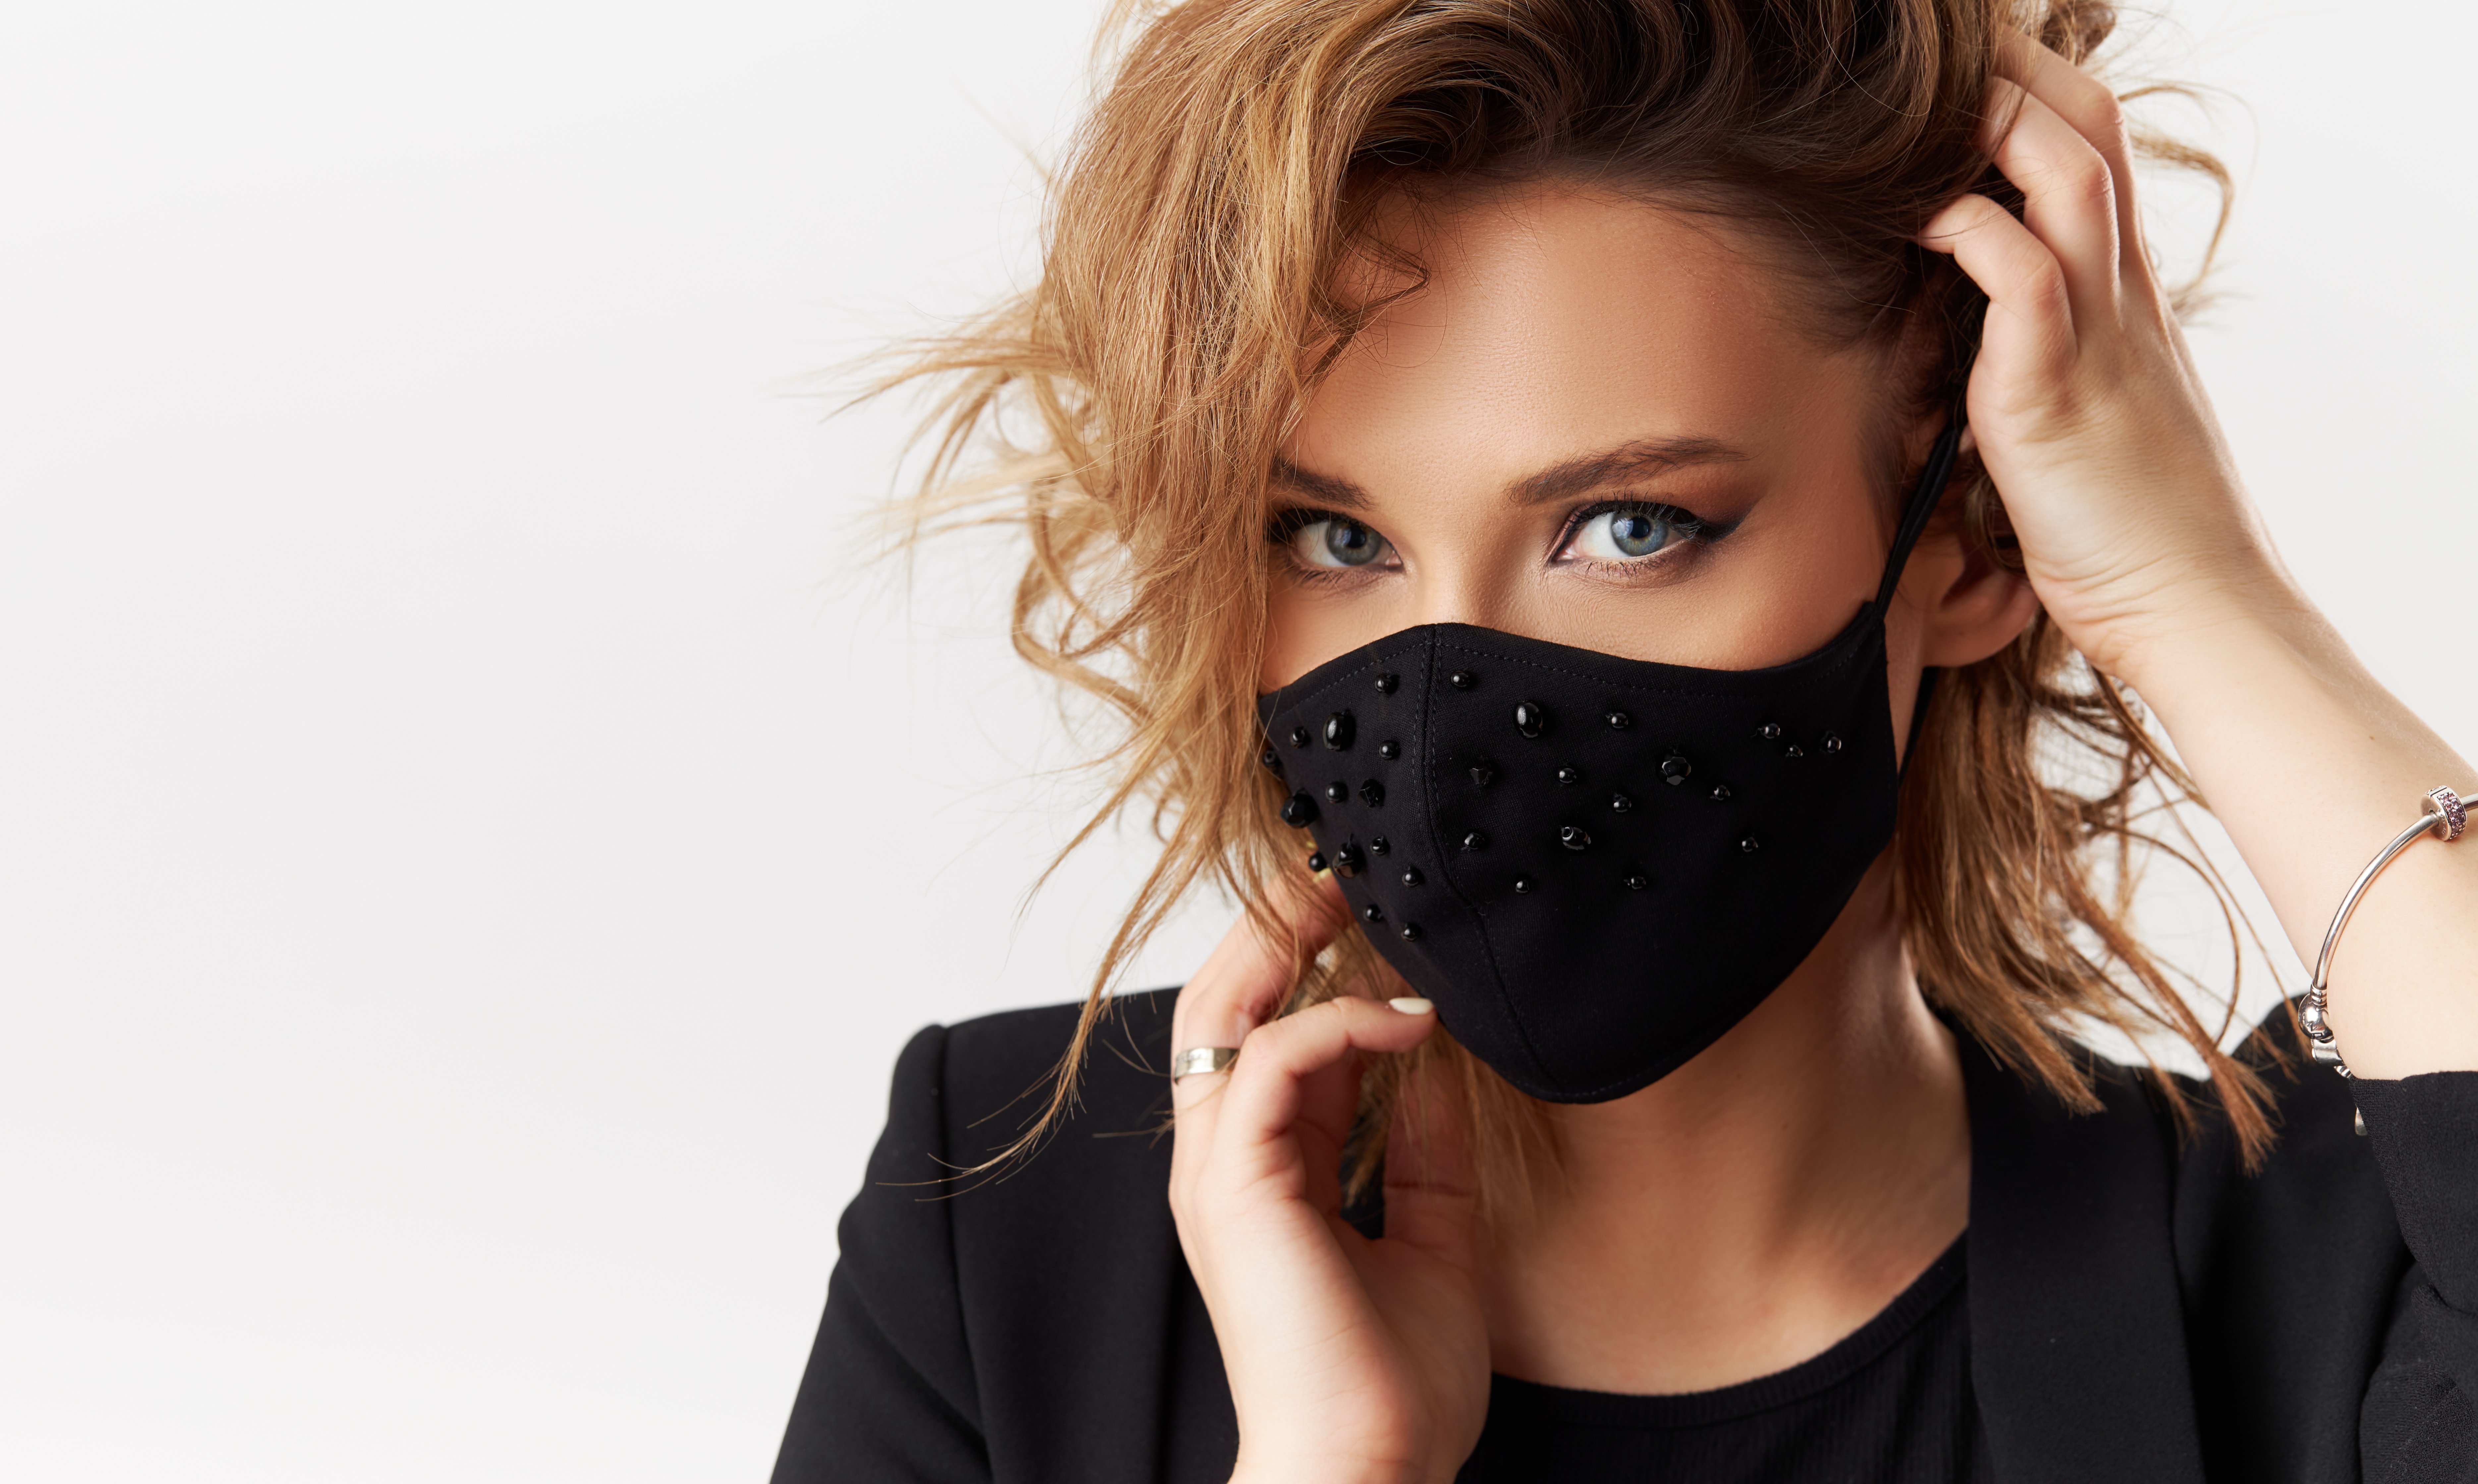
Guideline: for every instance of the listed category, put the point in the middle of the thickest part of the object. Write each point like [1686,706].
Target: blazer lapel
[2077,1333]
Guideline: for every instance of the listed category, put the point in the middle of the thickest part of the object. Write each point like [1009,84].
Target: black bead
[1748,845]
[1271,759]
[1299,737]
[1619,803]
[1481,775]
[1337,790]
[1372,912]
[1720,792]
[1574,836]
[1529,720]
[1832,743]
[1380,845]
[1619,720]
[1300,809]
[1338,730]
[1638,883]
[1463,680]
[1316,860]
[1475,840]
[1795,751]
[1770,731]
[1675,770]
[1371,794]
[1411,876]
[1410,932]
[1389,750]
[1347,860]
[1522,884]
[1386,683]
[1569,775]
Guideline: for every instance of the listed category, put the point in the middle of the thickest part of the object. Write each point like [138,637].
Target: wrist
[2191,628]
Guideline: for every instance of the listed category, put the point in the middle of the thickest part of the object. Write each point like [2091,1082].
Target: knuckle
[2033,287]
[1271,1047]
[2044,287]
[2090,180]
[2101,111]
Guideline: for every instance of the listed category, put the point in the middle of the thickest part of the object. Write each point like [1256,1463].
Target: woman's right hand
[1348,1359]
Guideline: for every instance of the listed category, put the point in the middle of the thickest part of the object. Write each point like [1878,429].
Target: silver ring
[1195,1059]
[2453,815]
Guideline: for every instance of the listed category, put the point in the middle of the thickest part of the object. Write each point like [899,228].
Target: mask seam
[1437,846]
[1862,635]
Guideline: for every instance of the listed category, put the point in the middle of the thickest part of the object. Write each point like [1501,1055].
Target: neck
[1760,1203]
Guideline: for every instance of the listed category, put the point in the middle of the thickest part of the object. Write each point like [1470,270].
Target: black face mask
[1595,866]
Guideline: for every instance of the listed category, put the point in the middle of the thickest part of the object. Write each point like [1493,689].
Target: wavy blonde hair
[1188,303]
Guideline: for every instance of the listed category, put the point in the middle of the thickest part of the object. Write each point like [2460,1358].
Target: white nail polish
[1411,1004]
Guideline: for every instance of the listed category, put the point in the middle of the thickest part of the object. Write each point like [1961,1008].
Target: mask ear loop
[1924,501]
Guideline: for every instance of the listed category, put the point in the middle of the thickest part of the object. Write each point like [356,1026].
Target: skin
[1749,1210]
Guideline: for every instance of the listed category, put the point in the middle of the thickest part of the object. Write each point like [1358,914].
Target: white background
[471,847]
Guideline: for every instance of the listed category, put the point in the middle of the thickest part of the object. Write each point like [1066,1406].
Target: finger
[1269,1104]
[1246,979]
[2027,304]
[2093,110]
[2068,198]
[1431,1189]
[1243,983]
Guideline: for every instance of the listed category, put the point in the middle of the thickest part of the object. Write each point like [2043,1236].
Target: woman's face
[1599,425]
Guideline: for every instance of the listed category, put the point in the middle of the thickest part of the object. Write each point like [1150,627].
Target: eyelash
[1696,530]
[1288,523]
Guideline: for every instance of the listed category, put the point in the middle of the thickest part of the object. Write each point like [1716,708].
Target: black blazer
[2140,1308]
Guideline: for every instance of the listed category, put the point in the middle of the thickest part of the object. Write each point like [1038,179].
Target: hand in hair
[2139,538]
[1348,1359]
[2085,400]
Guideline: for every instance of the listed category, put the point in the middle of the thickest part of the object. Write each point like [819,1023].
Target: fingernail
[1320,875]
[1412,1004]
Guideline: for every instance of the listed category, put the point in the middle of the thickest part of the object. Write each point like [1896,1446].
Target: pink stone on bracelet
[2456,816]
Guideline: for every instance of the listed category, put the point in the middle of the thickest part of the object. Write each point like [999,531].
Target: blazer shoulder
[1094,1350]
[997,1073]
[2288,1272]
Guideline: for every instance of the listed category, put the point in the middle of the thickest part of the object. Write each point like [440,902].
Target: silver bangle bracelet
[2443,814]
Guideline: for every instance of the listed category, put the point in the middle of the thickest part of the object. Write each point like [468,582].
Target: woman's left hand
[2141,543]
[2085,400]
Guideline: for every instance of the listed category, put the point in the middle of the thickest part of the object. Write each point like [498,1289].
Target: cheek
[1304,629]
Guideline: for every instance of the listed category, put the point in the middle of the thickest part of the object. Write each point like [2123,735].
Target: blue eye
[1627,533]
[1637,534]
[1334,542]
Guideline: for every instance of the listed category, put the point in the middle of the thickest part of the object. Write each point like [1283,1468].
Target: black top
[1890,1401]
[2138,1308]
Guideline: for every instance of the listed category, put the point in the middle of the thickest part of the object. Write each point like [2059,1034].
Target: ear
[1968,606]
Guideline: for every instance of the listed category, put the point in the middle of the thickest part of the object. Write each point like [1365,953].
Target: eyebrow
[1646,455]
[1559,481]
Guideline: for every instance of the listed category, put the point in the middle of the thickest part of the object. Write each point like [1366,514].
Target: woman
[1550,415]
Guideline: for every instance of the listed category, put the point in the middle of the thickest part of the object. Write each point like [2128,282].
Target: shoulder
[964,1094]
[1086,1335]
[1027,1318]
[997,1070]
[2290,1273]
[2318,1188]
[967,1094]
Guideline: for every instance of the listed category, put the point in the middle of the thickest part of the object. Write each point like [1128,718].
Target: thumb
[1431,1187]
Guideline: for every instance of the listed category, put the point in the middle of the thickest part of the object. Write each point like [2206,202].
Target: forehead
[1557,319]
